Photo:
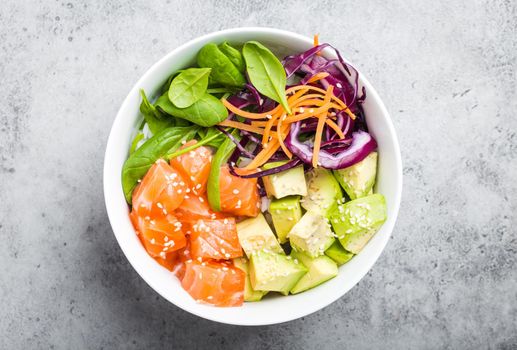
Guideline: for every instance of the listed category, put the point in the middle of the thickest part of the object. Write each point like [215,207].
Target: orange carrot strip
[242,126]
[318,76]
[263,155]
[280,132]
[249,115]
[335,127]
[319,129]
[267,129]
[317,141]
[316,40]
[314,88]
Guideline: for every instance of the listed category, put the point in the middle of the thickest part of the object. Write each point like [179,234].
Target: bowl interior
[271,309]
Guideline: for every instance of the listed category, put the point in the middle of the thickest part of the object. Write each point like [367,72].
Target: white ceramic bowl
[272,309]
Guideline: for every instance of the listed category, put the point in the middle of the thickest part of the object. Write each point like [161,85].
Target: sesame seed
[187,190]
[192,178]
[227,256]
[225,268]
[200,275]
[311,110]
[179,191]
[183,142]
[201,199]
[165,238]
[235,191]
[225,221]
[162,255]
[198,186]
[338,85]
[153,241]
[138,180]
[302,109]
[159,205]
[209,297]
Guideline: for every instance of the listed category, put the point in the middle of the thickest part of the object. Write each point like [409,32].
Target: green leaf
[208,136]
[162,143]
[140,136]
[233,55]
[189,86]
[213,184]
[154,118]
[266,72]
[208,133]
[224,72]
[222,90]
[207,111]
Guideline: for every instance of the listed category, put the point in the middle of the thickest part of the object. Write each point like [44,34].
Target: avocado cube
[356,222]
[320,270]
[286,183]
[249,293]
[323,191]
[255,234]
[339,254]
[285,212]
[311,235]
[358,179]
[274,272]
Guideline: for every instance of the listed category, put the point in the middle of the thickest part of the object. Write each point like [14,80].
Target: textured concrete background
[447,72]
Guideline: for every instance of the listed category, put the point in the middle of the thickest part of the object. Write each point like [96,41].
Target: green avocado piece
[320,270]
[323,191]
[339,254]
[286,183]
[274,272]
[311,235]
[356,222]
[255,234]
[358,179]
[285,212]
[249,293]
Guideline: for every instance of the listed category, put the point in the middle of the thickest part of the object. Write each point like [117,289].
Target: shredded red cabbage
[362,144]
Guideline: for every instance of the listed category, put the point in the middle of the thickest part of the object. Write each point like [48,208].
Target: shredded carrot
[316,39]
[334,98]
[318,76]
[335,127]
[319,129]
[280,133]
[263,155]
[249,115]
[242,126]
[305,102]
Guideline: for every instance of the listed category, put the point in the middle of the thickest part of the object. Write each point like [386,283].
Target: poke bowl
[252,176]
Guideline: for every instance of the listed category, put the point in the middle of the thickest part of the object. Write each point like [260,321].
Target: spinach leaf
[207,111]
[266,72]
[208,133]
[153,117]
[135,142]
[208,136]
[139,162]
[222,90]
[213,184]
[224,72]
[189,86]
[233,55]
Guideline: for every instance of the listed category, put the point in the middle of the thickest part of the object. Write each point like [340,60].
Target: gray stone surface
[447,71]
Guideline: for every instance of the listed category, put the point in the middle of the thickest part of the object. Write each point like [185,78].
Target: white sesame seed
[235,191]
[227,256]
[201,199]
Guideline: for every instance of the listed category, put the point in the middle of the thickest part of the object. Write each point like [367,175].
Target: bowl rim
[110,202]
